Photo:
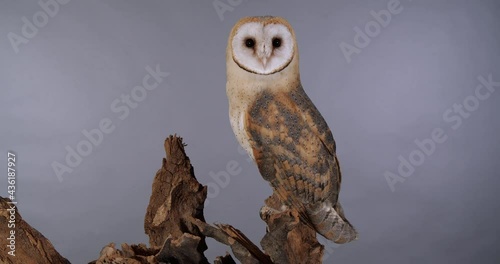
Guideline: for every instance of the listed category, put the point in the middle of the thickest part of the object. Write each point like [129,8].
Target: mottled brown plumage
[281,129]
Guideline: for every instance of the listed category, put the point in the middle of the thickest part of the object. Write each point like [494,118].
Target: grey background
[395,91]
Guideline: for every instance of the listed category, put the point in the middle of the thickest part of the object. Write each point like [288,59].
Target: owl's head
[262,45]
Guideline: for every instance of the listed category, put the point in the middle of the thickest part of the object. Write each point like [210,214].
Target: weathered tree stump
[176,198]
[177,229]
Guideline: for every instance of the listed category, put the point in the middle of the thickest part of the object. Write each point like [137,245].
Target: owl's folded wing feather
[289,136]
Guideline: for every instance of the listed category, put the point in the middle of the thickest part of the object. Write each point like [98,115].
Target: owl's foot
[266,211]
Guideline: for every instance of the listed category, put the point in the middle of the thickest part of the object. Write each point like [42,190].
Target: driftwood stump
[175,216]
[177,229]
[176,199]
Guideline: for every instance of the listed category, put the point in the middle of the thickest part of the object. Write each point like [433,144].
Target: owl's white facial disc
[262,49]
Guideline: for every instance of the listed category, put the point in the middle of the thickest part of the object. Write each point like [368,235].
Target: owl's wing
[293,147]
[313,118]
[295,151]
[320,129]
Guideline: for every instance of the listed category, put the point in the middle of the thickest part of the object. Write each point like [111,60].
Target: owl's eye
[276,42]
[249,43]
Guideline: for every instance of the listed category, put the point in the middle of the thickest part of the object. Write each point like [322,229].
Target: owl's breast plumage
[237,119]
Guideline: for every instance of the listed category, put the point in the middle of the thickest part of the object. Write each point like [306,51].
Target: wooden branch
[242,247]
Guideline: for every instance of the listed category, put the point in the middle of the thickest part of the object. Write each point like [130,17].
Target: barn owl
[277,124]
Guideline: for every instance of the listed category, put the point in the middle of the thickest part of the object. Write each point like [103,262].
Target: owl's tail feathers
[331,223]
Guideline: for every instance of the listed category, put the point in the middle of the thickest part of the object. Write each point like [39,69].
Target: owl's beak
[264,61]
[264,55]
